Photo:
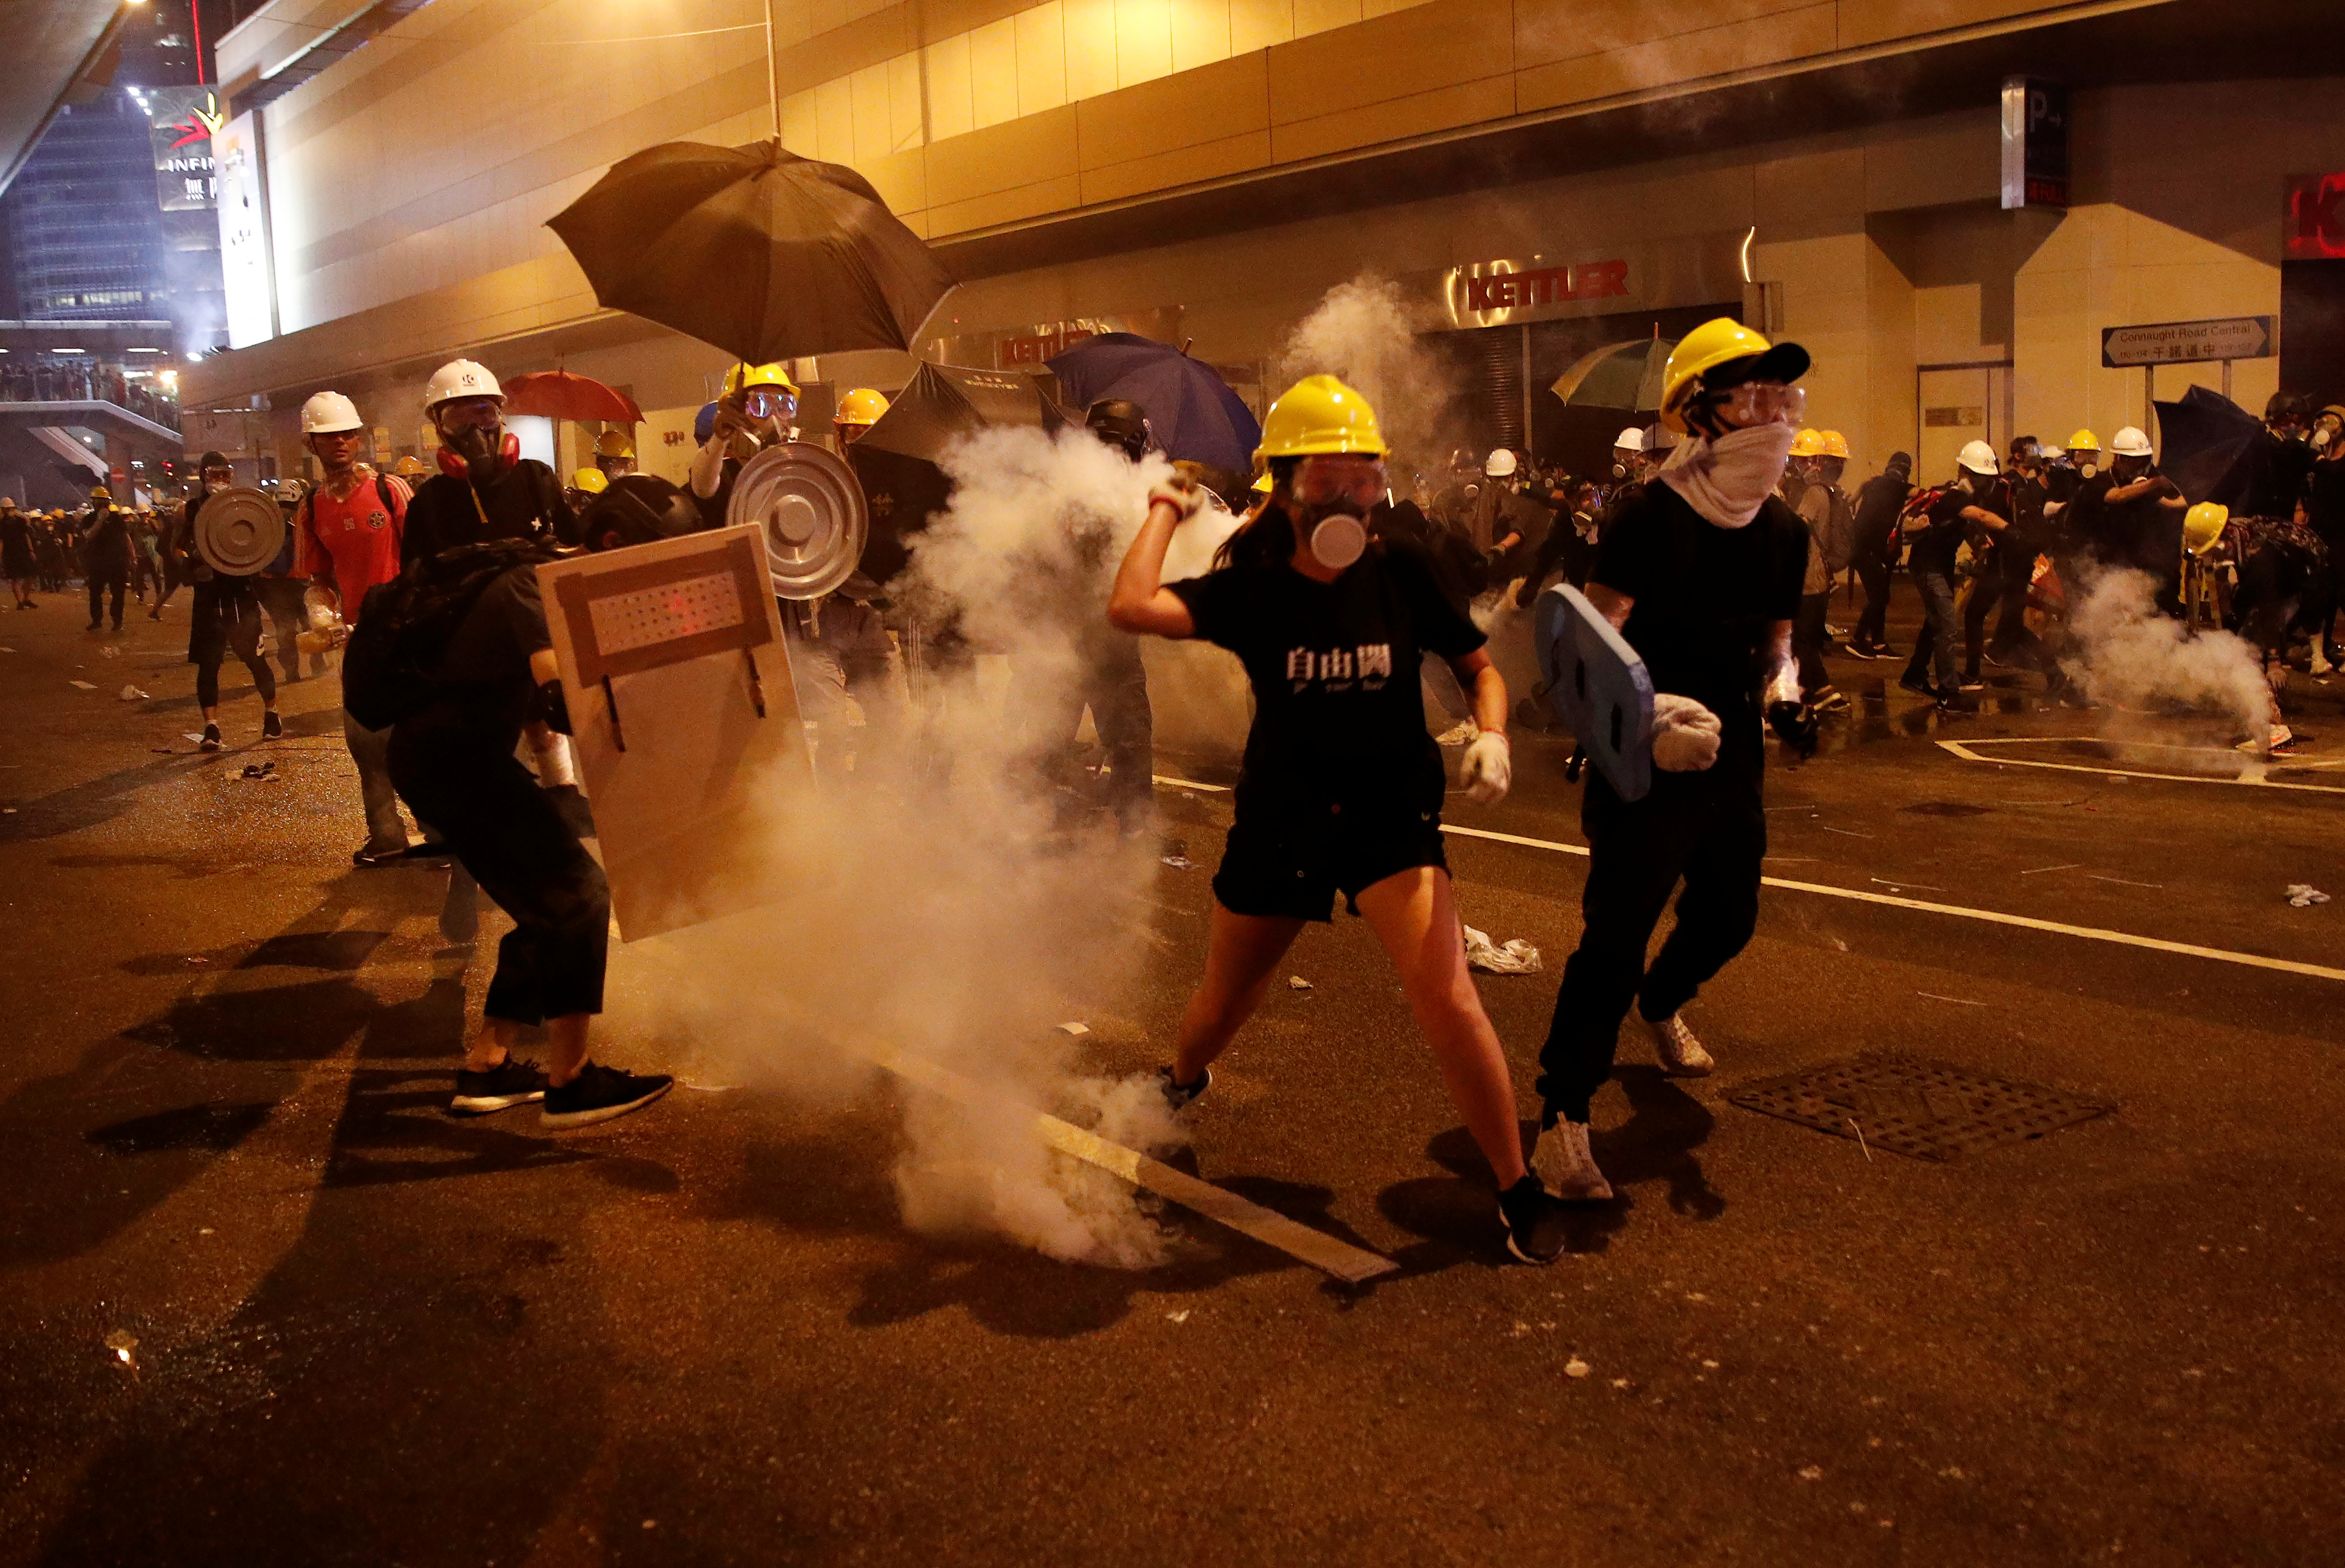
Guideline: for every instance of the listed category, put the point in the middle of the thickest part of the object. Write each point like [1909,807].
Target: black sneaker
[1920,688]
[1533,1221]
[601,1094]
[271,726]
[510,1083]
[212,741]
[369,855]
[1179,1098]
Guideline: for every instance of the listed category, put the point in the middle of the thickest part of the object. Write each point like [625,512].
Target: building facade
[1520,180]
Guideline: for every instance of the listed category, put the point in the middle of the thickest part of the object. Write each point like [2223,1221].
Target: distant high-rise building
[85,234]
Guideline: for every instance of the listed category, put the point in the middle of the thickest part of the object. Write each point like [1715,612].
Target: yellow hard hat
[593,481]
[1263,485]
[99,493]
[1835,445]
[2202,526]
[1319,414]
[2084,441]
[614,444]
[743,376]
[1721,341]
[863,406]
[1808,443]
[408,467]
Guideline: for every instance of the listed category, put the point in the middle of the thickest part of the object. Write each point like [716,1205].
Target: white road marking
[2253,774]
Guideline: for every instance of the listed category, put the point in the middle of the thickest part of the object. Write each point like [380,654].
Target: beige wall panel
[943,18]
[1159,116]
[1813,194]
[1548,31]
[1823,283]
[1143,41]
[901,178]
[847,45]
[908,115]
[1005,207]
[1891,405]
[1863,22]
[1200,33]
[1259,23]
[1324,15]
[1042,59]
[1089,47]
[1031,148]
[951,100]
[1394,56]
[994,75]
[1933,162]
[793,22]
[1950,326]
[1209,161]
[867,91]
[835,121]
[828,15]
[801,123]
[1411,117]
[1740,46]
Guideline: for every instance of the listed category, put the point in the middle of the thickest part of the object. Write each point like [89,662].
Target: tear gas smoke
[2135,656]
[952,919]
[1361,332]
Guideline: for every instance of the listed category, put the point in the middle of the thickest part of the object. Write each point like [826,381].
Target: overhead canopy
[52,43]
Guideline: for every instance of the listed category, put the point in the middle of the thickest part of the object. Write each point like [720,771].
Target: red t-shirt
[354,542]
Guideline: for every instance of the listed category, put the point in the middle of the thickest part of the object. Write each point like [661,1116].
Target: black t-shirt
[486,665]
[2132,532]
[1936,547]
[524,501]
[2325,510]
[1706,597]
[2281,470]
[1879,499]
[1338,723]
[2025,496]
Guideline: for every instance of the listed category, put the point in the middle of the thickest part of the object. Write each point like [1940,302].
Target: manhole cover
[1926,1109]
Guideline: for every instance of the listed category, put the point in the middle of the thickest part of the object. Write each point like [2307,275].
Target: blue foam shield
[1599,686]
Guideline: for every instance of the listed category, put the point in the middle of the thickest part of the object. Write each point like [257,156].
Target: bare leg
[566,1046]
[1414,917]
[491,1046]
[1241,955]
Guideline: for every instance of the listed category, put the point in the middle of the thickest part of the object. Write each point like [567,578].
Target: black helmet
[637,509]
[2288,406]
[212,460]
[1120,422]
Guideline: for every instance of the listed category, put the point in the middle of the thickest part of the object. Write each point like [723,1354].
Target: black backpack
[389,662]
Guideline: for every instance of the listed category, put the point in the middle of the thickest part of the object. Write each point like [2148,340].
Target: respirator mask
[2324,434]
[1329,495]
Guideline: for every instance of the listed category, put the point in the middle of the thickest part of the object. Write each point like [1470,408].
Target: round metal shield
[810,508]
[239,530]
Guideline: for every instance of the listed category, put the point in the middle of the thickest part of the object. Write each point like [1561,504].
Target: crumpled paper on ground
[2303,894]
[1515,958]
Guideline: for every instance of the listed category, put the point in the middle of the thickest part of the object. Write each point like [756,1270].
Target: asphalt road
[264,1303]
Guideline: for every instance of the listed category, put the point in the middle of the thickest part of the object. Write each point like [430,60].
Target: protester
[1702,573]
[1824,508]
[485,488]
[2324,510]
[1873,550]
[16,559]
[346,540]
[755,411]
[105,551]
[227,614]
[1341,788]
[615,454]
[2016,551]
[1967,508]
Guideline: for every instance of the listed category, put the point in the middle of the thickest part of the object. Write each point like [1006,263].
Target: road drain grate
[1928,1111]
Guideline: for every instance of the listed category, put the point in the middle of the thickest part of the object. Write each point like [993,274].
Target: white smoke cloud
[1364,332]
[957,921]
[2133,655]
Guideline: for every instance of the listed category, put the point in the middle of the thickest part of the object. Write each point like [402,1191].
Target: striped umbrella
[1625,376]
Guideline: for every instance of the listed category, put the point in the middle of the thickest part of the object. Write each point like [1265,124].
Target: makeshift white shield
[1599,689]
[687,726]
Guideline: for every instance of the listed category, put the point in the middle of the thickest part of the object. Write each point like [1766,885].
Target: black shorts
[1286,872]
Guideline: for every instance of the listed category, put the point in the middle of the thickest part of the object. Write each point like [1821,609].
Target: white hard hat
[1631,439]
[1979,458]
[2050,454]
[2129,442]
[461,378]
[1500,464]
[1659,437]
[327,412]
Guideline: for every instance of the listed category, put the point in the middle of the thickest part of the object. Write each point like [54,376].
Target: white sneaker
[1682,1055]
[1564,1167]
[2319,663]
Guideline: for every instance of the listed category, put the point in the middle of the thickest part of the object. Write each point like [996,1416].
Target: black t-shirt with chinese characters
[1706,598]
[1338,722]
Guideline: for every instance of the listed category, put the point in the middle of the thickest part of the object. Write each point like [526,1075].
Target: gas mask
[214,486]
[2324,435]
[2088,468]
[473,443]
[1327,498]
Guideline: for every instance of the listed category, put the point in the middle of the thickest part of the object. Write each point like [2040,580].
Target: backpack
[389,662]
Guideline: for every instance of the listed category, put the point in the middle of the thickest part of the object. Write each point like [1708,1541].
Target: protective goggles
[768,403]
[1329,478]
[467,413]
[1762,403]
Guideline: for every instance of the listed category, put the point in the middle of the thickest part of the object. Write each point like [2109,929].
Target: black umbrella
[765,254]
[897,458]
[2209,447]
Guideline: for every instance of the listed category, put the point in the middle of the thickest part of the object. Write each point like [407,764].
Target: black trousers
[2011,637]
[1809,641]
[461,777]
[1873,571]
[225,619]
[1109,679]
[101,579]
[1707,829]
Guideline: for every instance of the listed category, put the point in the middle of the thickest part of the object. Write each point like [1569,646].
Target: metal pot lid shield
[806,502]
[239,530]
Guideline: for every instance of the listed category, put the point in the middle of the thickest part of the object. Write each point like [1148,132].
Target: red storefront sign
[2315,228]
[1546,285]
[1033,348]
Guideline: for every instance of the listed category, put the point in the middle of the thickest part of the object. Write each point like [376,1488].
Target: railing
[97,384]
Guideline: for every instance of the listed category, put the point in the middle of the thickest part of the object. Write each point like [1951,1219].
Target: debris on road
[1297,983]
[83,686]
[1515,958]
[2303,894]
[1178,862]
[1575,1368]
[123,1342]
[260,773]
[1074,1028]
[133,695]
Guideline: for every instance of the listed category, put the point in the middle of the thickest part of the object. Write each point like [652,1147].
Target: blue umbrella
[1190,409]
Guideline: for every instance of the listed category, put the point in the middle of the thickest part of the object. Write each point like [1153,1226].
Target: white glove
[1685,735]
[1181,493]
[1488,769]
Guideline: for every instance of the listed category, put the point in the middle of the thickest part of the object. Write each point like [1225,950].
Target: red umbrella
[560,395]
